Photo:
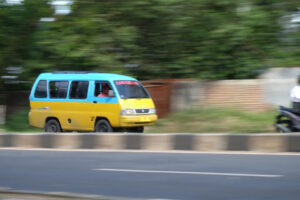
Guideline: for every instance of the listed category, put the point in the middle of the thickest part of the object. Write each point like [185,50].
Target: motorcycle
[288,120]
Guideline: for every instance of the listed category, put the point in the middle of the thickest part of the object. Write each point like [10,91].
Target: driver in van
[295,95]
[104,92]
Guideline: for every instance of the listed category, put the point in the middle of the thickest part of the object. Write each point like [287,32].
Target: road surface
[153,175]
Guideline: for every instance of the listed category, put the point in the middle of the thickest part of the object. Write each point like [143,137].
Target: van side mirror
[111,93]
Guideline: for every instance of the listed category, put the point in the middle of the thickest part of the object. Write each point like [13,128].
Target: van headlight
[127,112]
[152,111]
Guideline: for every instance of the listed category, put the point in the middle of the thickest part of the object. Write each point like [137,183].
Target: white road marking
[193,173]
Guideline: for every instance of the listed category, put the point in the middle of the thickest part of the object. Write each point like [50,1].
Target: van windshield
[131,90]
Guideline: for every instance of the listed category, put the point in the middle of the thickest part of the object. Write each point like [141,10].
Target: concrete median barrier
[269,143]
[156,142]
[210,142]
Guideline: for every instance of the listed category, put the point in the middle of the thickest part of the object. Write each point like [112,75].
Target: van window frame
[100,89]
[35,89]
[70,88]
[67,90]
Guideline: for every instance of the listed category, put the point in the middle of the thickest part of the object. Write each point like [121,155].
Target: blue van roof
[84,76]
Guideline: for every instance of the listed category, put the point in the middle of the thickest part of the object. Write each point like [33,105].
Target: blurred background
[210,65]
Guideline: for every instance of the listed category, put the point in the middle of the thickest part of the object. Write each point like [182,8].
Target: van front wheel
[103,126]
[52,126]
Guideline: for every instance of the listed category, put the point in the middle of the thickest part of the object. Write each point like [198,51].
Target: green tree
[207,39]
[89,39]
[18,22]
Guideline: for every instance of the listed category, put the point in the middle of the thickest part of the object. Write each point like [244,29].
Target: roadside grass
[1,128]
[204,120]
[18,122]
[216,120]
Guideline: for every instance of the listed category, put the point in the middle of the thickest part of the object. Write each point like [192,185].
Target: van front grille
[142,111]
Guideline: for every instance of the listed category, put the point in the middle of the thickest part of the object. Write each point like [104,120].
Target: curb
[156,142]
[7,193]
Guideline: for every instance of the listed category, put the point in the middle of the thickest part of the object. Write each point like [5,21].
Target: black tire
[52,126]
[285,122]
[103,126]
[139,129]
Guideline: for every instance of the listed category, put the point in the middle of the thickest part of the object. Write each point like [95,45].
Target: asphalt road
[153,175]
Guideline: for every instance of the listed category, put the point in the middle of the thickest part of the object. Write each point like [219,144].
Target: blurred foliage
[18,23]
[18,122]
[216,120]
[205,39]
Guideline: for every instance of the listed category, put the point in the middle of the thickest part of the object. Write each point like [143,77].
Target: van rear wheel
[52,126]
[103,126]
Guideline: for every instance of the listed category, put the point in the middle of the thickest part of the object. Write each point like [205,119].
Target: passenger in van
[105,89]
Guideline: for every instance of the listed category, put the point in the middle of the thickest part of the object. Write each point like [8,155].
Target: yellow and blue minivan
[87,101]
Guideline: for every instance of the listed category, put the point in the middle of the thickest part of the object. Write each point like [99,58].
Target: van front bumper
[137,120]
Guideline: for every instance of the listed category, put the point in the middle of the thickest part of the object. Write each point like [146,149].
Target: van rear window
[58,89]
[41,89]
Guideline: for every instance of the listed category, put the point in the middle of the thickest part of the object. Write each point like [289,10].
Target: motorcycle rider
[295,95]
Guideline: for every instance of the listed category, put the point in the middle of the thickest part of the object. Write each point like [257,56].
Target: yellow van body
[54,97]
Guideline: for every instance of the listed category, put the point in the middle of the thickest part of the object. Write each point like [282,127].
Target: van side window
[97,88]
[58,89]
[41,89]
[100,88]
[79,89]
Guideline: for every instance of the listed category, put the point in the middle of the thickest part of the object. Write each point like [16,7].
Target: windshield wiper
[134,97]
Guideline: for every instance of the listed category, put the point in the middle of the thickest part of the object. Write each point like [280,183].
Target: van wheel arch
[102,124]
[54,122]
